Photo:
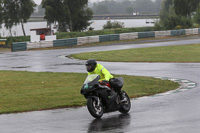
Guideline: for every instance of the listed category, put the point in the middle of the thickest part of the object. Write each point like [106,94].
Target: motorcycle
[102,98]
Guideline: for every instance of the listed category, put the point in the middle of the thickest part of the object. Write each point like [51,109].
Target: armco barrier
[82,40]
[195,31]
[59,43]
[188,31]
[177,32]
[133,35]
[22,46]
[111,37]
[19,46]
[65,42]
[93,39]
[192,31]
[114,37]
[87,40]
[159,34]
[71,42]
[124,36]
[128,36]
[150,34]
[33,45]
[46,44]
[104,38]
[42,44]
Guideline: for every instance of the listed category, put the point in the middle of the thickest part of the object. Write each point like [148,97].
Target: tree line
[71,15]
[13,12]
[178,14]
[126,7]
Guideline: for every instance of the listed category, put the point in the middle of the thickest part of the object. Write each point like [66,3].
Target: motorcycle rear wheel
[95,109]
[125,106]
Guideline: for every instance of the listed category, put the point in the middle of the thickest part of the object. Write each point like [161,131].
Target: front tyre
[95,107]
[126,105]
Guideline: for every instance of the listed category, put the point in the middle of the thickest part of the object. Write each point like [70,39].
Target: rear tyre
[95,108]
[125,106]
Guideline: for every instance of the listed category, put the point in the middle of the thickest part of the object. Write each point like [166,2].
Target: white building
[36,34]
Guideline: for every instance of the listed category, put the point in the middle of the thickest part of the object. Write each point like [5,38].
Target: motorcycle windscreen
[91,78]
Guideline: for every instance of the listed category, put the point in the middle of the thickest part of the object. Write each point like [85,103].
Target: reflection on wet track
[113,123]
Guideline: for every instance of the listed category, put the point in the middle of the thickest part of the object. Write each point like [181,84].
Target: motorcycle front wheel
[95,107]
[125,106]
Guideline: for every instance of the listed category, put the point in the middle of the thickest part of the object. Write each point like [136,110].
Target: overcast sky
[39,1]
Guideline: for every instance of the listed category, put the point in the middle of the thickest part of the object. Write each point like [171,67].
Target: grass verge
[31,91]
[184,53]
[4,50]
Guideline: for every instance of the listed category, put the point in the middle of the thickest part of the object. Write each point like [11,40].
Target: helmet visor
[89,68]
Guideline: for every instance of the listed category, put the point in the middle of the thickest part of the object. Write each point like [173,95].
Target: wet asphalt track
[172,113]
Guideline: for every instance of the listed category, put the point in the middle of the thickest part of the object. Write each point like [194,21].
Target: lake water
[96,24]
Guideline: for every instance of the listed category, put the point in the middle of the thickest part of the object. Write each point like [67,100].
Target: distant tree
[101,9]
[54,11]
[126,6]
[40,11]
[143,6]
[197,17]
[113,25]
[185,7]
[72,15]
[170,20]
[17,12]
[79,14]
[130,10]
[166,6]
[1,12]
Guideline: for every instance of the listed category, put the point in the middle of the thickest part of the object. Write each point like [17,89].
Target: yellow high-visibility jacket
[103,72]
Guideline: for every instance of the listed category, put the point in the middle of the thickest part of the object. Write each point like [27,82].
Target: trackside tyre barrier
[65,42]
[159,34]
[106,38]
[192,31]
[128,36]
[19,46]
[42,44]
[22,46]
[177,32]
[150,34]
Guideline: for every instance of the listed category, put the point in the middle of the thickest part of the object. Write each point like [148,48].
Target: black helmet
[91,65]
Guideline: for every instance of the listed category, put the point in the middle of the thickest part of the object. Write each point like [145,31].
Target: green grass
[4,50]
[30,91]
[184,53]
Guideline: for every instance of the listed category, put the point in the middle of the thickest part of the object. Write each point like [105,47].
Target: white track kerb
[184,85]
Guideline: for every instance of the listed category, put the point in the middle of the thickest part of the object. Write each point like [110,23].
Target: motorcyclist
[95,68]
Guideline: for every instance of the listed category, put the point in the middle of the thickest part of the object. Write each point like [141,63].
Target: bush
[158,26]
[169,20]
[196,17]
[178,27]
[113,25]
[10,40]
